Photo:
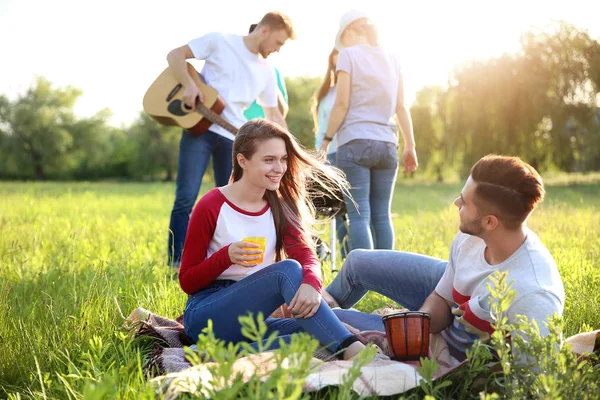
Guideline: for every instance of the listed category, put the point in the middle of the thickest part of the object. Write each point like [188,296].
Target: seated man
[494,205]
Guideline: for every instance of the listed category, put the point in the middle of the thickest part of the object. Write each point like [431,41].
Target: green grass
[75,257]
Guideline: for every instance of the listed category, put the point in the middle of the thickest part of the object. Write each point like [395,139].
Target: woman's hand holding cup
[245,254]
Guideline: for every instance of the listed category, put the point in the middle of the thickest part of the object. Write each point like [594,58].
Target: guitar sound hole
[175,108]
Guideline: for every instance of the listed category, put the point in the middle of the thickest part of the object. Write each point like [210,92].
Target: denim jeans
[224,301]
[406,278]
[194,154]
[370,167]
[360,320]
[340,220]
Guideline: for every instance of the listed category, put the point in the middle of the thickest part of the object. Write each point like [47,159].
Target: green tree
[567,61]
[428,121]
[300,121]
[539,103]
[155,149]
[122,152]
[41,136]
[92,149]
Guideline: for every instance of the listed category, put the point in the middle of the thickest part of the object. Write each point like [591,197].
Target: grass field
[76,257]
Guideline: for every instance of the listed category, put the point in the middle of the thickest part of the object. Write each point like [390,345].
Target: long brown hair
[329,80]
[306,177]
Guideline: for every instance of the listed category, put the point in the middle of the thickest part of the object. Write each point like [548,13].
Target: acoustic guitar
[163,101]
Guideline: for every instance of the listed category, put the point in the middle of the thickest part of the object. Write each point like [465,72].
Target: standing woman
[324,99]
[369,92]
[224,275]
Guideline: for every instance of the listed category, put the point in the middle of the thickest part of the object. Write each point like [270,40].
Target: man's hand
[324,146]
[306,302]
[190,95]
[241,254]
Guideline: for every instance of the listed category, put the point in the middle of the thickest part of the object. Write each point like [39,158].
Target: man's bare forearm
[282,105]
[439,310]
[178,66]
[275,116]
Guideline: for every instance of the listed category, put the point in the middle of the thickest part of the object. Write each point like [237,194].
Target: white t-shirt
[535,279]
[375,76]
[239,76]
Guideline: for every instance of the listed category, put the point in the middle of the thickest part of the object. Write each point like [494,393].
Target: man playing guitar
[236,67]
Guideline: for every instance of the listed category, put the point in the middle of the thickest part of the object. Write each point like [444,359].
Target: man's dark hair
[508,184]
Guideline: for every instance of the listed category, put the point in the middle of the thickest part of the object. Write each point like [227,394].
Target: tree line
[540,103]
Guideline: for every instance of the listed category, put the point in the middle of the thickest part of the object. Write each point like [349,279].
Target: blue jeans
[370,167]
[340,220]
[194,154]
[406,278]
[360,320]
[224,301]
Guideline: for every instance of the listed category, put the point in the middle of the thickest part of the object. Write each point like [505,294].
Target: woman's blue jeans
[224,301]
[194,155]
[370,167]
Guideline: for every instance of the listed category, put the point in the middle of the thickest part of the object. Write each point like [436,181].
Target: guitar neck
[215,118]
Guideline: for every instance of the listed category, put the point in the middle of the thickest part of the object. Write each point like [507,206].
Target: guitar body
[163,101]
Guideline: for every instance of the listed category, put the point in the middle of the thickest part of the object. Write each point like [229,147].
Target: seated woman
[266,197]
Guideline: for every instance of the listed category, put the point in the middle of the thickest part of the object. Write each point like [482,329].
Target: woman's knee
[290,269]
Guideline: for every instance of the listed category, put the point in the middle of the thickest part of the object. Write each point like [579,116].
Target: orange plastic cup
[259,240]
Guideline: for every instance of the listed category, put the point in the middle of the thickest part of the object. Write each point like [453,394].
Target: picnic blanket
[174,375]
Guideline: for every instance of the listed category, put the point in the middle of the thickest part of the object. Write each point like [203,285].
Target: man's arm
[177,63]
[273,115]
[439,310]
[539,306]
[282,95]
[282,106]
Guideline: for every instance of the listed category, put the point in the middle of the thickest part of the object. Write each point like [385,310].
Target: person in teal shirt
[255,110]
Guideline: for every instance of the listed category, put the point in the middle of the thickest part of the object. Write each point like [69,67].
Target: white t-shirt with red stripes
[216,223]
[535,279]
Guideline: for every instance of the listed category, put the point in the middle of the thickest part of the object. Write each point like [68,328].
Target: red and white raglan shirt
[535,279]
[216,223]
